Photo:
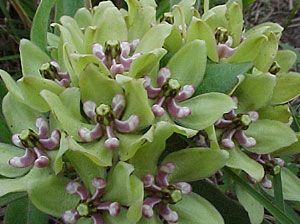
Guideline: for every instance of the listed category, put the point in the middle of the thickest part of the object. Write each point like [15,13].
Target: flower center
[275,68]
[49,71]
[104,114]
[83,209]
[112,50]
[168,17]
[221,35]
[29,138]
[245,120]
[171,195]
[171,88]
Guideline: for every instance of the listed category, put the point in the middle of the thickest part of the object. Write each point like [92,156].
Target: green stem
[278,195]
[206,6]
[273,209]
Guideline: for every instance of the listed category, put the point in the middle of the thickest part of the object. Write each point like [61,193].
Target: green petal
[32,58]
[222,78]
[253,207]
[154,38]
[287,87]
[112,26]
[146,63]
[67,120]
[146,159]
[137,103]
[290,184]
[245,52]
[206,110]
[286,59]
[270,136]
[18,116]
[199,29]
[195,163]
[239,160]
[96,87]
[255,91]
[193,209]
[7,152]
[189,63]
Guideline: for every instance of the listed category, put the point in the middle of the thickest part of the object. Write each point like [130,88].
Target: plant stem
[278,195]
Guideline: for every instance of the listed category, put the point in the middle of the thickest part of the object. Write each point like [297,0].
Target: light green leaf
[206,110]
[239,160]
[40,23]
[11,85]
[195,163]
[287,87]
[71,99]
[96,87]
[280,113]
[222,77]
[111,27]
[264,28]
[32,58]
[255,91]
[289,150]
[18,115]
[234,15]
[193,209]
[154,38]
[199,29]
[67,7]
[146,62]
[290,184]
[215,17]
[189,63]
[146,159]
[286,59]
[253,207]
[7,152]
[270,136]
[83,17]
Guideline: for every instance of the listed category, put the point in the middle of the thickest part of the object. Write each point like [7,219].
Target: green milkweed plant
[122,114]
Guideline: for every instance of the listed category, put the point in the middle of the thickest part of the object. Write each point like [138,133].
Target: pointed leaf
[291,185]
[286,59]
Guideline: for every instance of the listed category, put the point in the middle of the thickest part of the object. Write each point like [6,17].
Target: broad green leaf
[32,86]
[193,164]
[85,168]
[286,88]
[154,220]
[174,41]
[49,195]
[289,150]
[135,211]
[67,7]
[222,77]
[146,159]
[234,15]
[18,115]
[71,99]
[245,52]
[40,23]
[67,120]
[267,53]
[154,38]
[206,110]
[63,148]
[290,184]
[286,59]
[255,91]
[11,197]
[23,211]
[7,152]
[121,218]
[199,29]
[215,17]
[11,85]
[32,58]
[189,63]
[83,17]
[111,27]
[137,103]
[239,160]
[96,87]
[193,209]
[146,62]
[279,113]
[98,15]
[270,136]
[253,207]
[264,28]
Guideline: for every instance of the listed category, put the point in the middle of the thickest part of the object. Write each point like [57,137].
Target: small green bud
[83,209]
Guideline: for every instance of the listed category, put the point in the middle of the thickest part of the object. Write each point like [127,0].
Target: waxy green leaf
[286,59]
[290,184]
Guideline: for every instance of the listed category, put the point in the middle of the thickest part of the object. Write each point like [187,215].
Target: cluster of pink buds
[116,56]
[160,193]
[53,72]
[35,145]
[234,126]
[107,119]
[167,93]
[90,205]
[271,166]
[224,43]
